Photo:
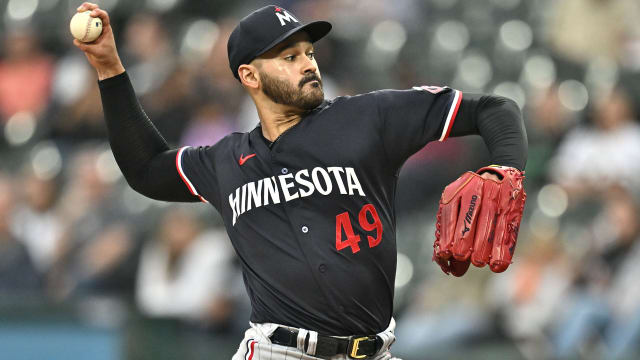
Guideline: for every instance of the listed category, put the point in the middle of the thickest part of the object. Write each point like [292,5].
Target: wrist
[108,72]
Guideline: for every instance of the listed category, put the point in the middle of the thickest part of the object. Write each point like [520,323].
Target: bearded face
[307,94]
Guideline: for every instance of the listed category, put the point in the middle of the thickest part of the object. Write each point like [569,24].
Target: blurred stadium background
[91,270]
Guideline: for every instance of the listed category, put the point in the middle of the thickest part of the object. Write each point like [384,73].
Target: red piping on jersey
[453,116]
[184,178]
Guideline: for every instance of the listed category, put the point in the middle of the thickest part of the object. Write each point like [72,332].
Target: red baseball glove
[478,220]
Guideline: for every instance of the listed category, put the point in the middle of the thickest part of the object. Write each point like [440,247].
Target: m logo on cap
[283,16]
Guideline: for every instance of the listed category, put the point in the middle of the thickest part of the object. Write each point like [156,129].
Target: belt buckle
[353,348]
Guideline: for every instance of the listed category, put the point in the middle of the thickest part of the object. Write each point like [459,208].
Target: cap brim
[316,30]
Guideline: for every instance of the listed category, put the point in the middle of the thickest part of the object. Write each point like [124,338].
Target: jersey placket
[301,226]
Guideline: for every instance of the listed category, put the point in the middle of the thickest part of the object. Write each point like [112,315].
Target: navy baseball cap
[265,28]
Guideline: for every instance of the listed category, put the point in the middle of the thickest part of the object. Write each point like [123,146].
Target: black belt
[355,347]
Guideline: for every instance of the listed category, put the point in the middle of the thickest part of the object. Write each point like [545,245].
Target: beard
[282,92]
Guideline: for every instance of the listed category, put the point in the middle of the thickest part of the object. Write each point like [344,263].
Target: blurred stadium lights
[513,91]
[387,39]
[444,4]
[474,72]
[553,200]
[199,38]
[573,95]
[542,226]
[404,272]
[539,72]
[71,78]
[46,160]
[107,5]
[389,36]
[576,239]
[106,166]
[480,18]
[452,36]
[516,35]
[20,128]
[345,28]
[602,74]
[48,5]
[506,4]
[162,5]
[18,10]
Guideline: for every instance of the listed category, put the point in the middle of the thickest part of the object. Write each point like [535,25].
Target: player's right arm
[145,159]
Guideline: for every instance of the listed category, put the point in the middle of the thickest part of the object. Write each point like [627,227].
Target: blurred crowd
[71,230]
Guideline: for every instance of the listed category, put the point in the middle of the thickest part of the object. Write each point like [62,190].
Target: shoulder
[226,142]
[233,138]
[211,154]
[375,96]
[368,97]
[347,106]
[365,99]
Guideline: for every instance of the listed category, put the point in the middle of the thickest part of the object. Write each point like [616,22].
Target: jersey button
[284,171]
[305,229]
[322,268]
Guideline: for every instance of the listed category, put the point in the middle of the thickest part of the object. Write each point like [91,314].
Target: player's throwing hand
[478,220]
[101,53]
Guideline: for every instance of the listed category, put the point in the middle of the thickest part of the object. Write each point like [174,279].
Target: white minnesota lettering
[316,180]
[304,182]
[234,202]
[285,187]
[271,191]
[254,194]
[352,180]
[267,191]
[336,172]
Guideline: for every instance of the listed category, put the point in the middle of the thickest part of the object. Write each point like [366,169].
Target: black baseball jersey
[312,218]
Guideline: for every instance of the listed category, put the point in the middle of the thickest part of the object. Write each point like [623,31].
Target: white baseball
[84,27]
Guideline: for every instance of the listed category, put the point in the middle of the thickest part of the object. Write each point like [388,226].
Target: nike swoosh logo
[243,159]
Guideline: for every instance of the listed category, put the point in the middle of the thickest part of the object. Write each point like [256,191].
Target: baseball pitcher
[307,197]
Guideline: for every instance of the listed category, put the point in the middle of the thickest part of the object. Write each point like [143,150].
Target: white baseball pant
[256,345]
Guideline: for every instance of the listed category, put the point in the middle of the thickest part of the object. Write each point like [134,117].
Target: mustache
[309,78]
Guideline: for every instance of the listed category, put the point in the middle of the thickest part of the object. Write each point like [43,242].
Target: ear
[249,76]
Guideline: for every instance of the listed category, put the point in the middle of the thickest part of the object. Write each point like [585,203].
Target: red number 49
[344,222]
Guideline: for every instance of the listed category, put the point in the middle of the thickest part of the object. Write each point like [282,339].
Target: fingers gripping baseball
[478,221]
[101,53]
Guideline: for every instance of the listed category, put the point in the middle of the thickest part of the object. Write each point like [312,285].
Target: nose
[309,66]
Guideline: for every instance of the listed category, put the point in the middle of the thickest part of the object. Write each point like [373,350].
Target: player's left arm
[410,119]
[498,120]
[479,213]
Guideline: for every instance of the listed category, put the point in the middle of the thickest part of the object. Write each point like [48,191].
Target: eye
[289,58]
[311,55]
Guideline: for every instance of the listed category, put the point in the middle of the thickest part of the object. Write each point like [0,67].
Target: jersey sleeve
[412,118]
[196,167]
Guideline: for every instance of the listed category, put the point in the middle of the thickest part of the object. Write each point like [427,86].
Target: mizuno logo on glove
[469,215]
